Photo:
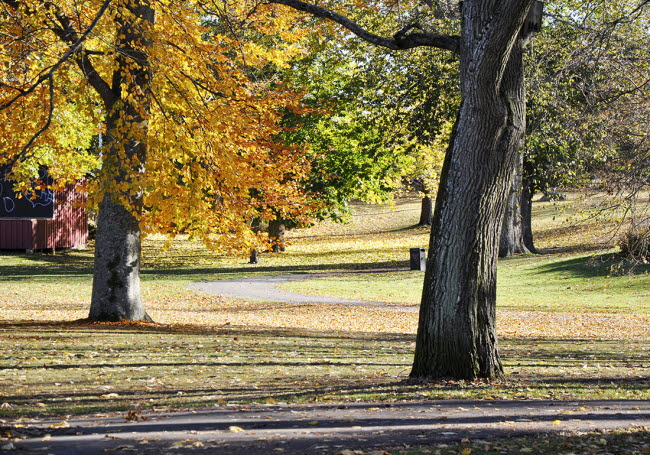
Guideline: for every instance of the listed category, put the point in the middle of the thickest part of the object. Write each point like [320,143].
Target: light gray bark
[116,279]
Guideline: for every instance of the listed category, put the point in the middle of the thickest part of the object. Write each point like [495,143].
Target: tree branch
[68,35]
[48,122]
[400,41]
[84,63]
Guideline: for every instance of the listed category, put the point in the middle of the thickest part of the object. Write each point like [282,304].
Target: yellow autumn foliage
[195,85]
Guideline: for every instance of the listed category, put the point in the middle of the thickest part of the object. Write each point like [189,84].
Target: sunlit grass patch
[568,329]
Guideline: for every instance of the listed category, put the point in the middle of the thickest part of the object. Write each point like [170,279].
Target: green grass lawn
[558,283]
[568,328]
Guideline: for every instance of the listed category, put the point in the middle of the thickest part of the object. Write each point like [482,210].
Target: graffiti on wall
[26,204]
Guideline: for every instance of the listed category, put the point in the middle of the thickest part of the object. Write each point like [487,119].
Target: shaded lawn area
[67,367]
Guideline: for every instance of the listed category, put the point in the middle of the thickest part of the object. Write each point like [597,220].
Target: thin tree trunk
[256,227]
[116,279]
[426,212]
[512,231]
[457,332]
[527,215]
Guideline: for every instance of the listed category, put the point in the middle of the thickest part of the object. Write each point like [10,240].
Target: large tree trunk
[456,334]
[426,211]
[512,230]
[116,279]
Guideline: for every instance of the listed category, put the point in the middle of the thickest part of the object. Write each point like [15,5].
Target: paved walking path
[265,288]
[325,429]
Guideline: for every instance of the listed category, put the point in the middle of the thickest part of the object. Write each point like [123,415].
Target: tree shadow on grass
[318,348]
[84,268]
[589,267]
[185,261]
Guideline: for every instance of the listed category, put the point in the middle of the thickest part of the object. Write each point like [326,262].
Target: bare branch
[400,41]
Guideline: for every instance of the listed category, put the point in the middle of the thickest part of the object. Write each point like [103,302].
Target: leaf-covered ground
[207,350]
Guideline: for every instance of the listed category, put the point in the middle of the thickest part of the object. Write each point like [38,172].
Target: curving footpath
[265,288]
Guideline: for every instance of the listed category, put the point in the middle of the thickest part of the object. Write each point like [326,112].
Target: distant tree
[589,106]
[368,136]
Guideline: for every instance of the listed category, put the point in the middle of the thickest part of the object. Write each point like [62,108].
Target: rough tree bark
[512,230]
[456,332]
[116,279]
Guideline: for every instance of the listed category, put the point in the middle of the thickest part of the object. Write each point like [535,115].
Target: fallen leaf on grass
[186,444]
[62,424]
[135,415]
[110,395]
[123,448]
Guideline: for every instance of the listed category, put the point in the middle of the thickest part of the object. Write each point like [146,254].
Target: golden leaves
[185,130]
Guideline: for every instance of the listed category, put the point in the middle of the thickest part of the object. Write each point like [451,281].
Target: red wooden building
[67,227]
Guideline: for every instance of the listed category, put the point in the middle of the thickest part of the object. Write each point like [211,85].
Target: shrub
[635,243]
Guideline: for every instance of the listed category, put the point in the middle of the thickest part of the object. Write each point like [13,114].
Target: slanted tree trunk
[457,333]
[512,231]
[426,212]
[116,279]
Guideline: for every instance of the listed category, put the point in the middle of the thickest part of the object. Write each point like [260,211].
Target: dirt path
[323,429]
[265,288]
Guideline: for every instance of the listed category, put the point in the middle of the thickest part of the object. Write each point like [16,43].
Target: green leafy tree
[588,110]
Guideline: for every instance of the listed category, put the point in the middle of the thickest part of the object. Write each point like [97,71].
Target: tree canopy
[186,119]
